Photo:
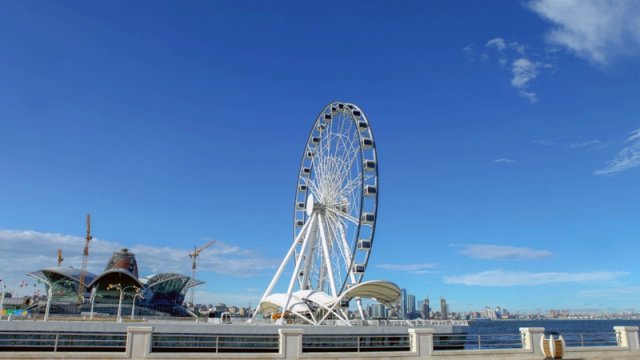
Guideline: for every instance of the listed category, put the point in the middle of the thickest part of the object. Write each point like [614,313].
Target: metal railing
[410,323]
[590,339]
[476,342]
[62,341]
[354,343]
[215,343]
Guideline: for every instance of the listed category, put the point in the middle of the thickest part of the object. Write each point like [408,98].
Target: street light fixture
[94,295]
[133,304]
[50,295]
[122,291]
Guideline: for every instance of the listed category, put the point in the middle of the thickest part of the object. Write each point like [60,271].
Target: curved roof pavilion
[54,274]
[163,293]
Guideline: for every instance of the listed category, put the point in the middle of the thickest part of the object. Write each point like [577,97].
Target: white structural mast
[334,211]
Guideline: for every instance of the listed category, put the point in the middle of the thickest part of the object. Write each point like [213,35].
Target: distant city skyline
[507,135]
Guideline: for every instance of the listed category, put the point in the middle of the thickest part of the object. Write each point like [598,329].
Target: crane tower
[194,255]
[60,258]
[85,260]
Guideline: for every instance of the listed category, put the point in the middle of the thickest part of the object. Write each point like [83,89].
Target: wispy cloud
[472,54]
[502,278]
[593,29]
[497,43]
[627,158]
[582,144]
[519,48]
[500,252]
[409,268]
[524,70]
[611,292]
[504,161]
[573,144]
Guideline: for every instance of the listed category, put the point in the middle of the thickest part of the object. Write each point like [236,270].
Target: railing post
[55,344]
[627,337]
[421,341]
[531,338]
[290,343]
[139,341]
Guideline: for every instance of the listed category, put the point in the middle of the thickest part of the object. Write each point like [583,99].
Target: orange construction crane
[60,258]
[194,255]
[85,260]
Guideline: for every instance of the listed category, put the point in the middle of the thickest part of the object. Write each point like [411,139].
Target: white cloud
[612,292]
[410,268]
[519,48]
[581,144]
[573,144]
[497,43]
[504,161]
[493,252]
[593,29]
[23,251]
[502,278]
[524,70]
[627,158]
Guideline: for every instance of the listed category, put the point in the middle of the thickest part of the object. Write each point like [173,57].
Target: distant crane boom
[194,256]
[85,260]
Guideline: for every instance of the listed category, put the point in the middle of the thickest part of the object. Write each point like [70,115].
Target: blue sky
[508,138]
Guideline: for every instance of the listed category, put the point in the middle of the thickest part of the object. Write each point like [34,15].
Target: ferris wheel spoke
[338,226]
[344,215]
[327,259]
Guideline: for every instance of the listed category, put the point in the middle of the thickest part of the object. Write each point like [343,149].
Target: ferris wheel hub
[310,204]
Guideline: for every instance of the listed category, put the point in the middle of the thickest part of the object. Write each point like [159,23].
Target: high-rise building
[411,305]
[425,309]
[444,309]
[403,303]
[379,311]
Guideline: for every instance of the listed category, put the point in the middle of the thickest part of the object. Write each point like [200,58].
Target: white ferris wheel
[334,218]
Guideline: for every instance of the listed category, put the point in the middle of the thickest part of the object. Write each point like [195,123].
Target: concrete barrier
[140,338]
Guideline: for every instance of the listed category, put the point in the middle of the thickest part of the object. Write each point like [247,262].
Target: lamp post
[93,300]
[133,304]
[2,288]
[50,295]
[122,291]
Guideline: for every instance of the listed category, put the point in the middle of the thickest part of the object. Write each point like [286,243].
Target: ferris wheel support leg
[327,259]
[299,260]
[307,265]
[332,310]
[359,303]
[275,279]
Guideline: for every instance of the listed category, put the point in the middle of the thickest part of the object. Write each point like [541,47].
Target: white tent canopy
[382,291]
[302,302]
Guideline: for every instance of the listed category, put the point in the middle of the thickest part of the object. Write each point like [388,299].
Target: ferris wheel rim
[354,240]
